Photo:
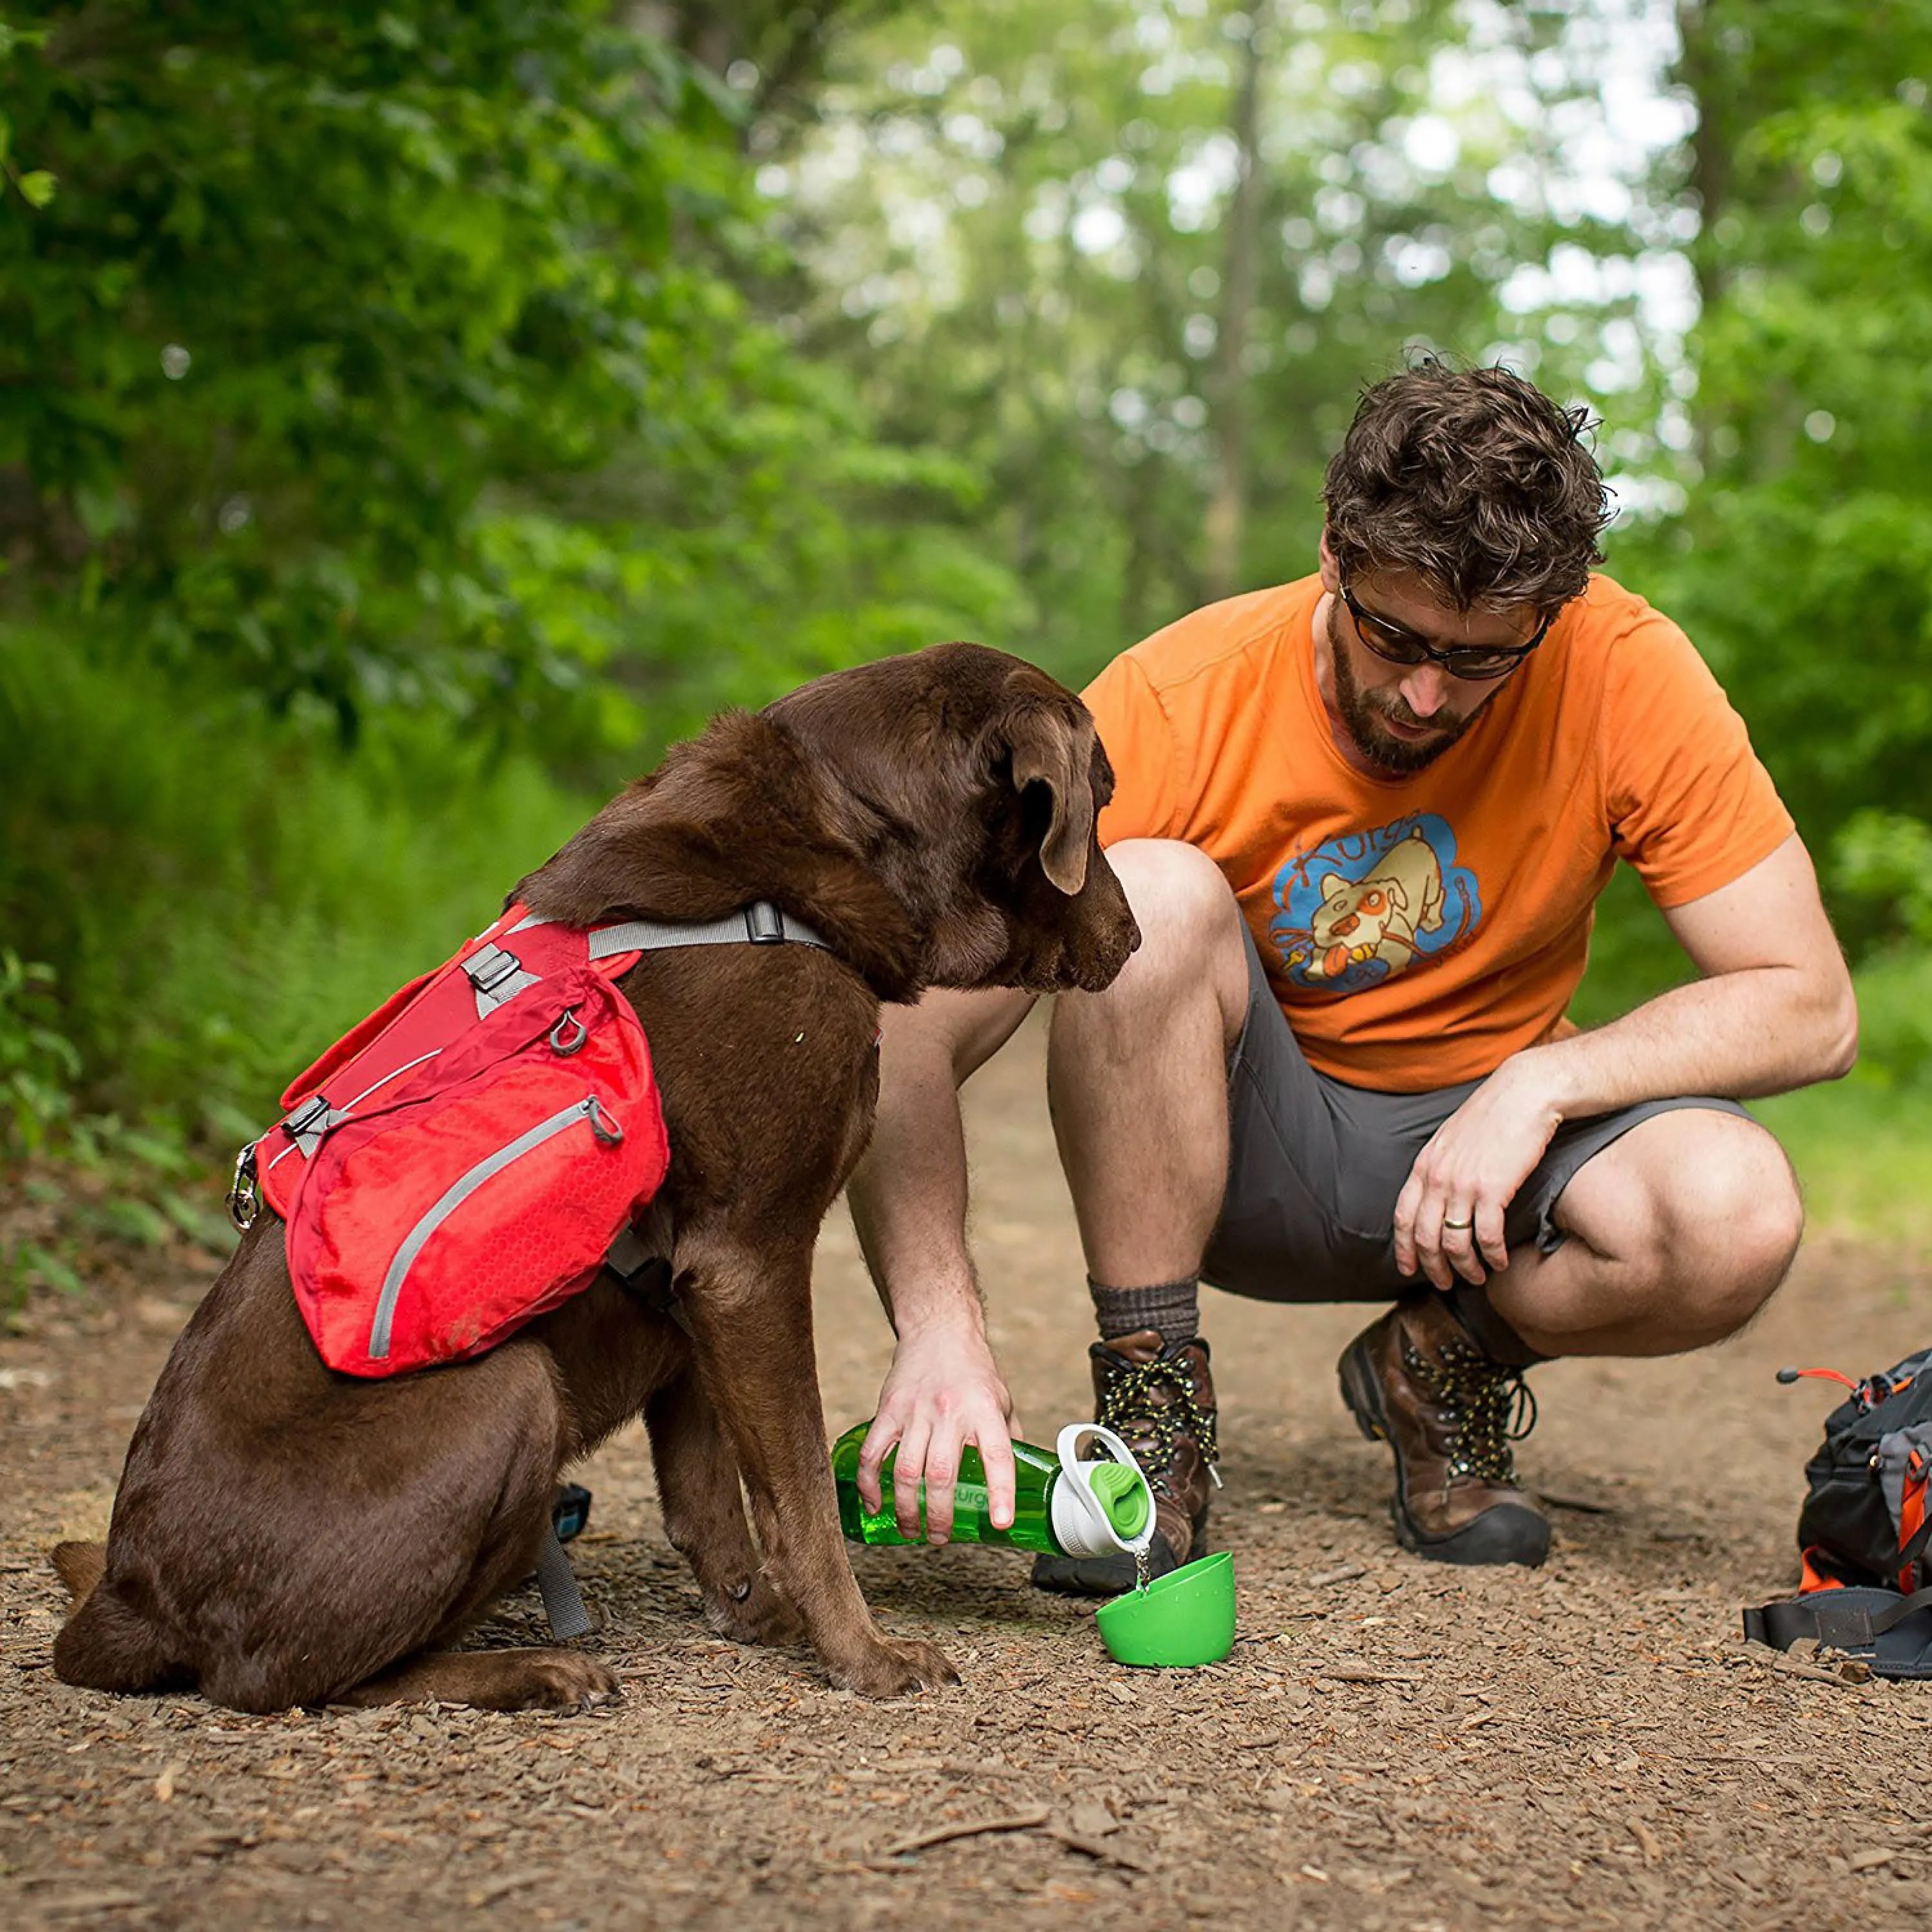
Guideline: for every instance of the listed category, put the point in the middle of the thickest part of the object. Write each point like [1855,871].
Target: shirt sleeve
[1139,735]
[1690,805]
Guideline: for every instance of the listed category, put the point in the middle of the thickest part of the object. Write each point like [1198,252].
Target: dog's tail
[79,1566]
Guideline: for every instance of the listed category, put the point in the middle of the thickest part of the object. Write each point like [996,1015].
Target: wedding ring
[1470,1223]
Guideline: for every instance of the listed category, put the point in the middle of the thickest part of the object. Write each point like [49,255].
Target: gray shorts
[1314,1166]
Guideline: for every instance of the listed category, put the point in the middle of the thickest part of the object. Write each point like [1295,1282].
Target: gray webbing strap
[497,976]
[310,1121]
[760,924]
[563,1601]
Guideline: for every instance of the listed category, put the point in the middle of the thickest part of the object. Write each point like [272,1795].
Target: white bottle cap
[1081,1524]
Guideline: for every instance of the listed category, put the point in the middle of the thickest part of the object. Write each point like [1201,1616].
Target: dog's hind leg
[107,1644]
[357,1590]
[704,1517]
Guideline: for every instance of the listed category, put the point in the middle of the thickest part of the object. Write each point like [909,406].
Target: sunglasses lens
[1397,646]
[1402,647]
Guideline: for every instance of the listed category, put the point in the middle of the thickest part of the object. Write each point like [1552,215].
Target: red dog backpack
[460,1161]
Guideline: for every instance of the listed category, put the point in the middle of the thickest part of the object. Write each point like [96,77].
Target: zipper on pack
[588,1108]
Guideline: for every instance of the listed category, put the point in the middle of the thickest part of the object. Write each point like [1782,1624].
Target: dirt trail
[1391,1745]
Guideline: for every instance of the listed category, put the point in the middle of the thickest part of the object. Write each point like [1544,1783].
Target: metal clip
[764,924]
[243,1200]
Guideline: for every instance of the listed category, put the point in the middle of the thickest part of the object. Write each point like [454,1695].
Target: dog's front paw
[556,1680]
[891,1670]
[760,1616]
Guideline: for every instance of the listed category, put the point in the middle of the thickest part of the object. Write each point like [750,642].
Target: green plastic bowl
[1186,1617]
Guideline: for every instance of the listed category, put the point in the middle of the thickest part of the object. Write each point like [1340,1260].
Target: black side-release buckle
[306,1118]
[764,924]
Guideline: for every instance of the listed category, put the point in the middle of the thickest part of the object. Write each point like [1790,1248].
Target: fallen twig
[1352,1673]
[1028,1820]
[1346,1573]
[1790,1667]
[1097,1849]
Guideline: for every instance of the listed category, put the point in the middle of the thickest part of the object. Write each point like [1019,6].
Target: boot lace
[1486,1404]
[1128,1407]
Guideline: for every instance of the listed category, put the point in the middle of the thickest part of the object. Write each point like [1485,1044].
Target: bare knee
[1725,1229]
[1191,934]
[1686,1225]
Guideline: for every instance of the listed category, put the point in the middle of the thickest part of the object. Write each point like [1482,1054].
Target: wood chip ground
[1391,1745]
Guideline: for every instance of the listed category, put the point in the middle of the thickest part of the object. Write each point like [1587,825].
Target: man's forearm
[1761,1029]
[908,1197]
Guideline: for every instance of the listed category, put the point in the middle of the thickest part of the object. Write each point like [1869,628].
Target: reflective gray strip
[563,1601]
[760,924]
[408,1066]
[498,976]
[1895,1449]
[314,1118]
[453,1198]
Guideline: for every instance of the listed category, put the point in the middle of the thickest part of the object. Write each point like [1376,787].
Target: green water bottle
[1065,1503]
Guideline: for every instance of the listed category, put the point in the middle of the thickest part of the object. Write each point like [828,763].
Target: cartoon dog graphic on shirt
[1377,917]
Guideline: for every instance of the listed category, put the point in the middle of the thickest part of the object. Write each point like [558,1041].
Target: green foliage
[1882,862]
[39,1064]
[1019,216]
[1862,1151]
[393,355]
[224,895]
[1803,562]
[412,416]
[34,186]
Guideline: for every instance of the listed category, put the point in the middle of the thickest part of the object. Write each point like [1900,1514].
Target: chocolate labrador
[286,1535]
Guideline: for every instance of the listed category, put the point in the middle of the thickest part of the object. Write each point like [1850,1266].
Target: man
[1362,819]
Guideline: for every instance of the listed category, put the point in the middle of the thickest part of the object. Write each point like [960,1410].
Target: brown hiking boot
[1417,1380]
[1158,1398]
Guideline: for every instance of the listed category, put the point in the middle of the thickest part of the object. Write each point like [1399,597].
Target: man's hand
[944,1391]
[1469,1173]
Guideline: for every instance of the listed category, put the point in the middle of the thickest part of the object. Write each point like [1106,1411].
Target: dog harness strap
[497,976]
[310,1121]
[563,1601]
[646,1276]
[761,924]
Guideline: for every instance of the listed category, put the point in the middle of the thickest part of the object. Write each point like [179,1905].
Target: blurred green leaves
[398,355]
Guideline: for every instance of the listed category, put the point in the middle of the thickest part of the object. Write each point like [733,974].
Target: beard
[1363,713]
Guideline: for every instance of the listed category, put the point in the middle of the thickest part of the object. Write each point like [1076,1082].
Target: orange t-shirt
[1418,930]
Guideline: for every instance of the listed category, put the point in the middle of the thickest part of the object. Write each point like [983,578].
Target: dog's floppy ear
[1050,748]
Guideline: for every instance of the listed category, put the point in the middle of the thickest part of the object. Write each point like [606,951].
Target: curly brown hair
[1474,479]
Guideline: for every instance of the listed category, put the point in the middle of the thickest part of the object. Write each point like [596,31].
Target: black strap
[646,1277]
[1838,1619]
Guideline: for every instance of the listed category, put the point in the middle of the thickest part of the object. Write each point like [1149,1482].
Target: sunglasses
[1400,646]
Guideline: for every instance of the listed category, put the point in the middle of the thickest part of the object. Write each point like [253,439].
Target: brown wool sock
[1490,1332]
[1173,1308]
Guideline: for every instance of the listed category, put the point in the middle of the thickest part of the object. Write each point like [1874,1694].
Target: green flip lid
[1122,1493]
